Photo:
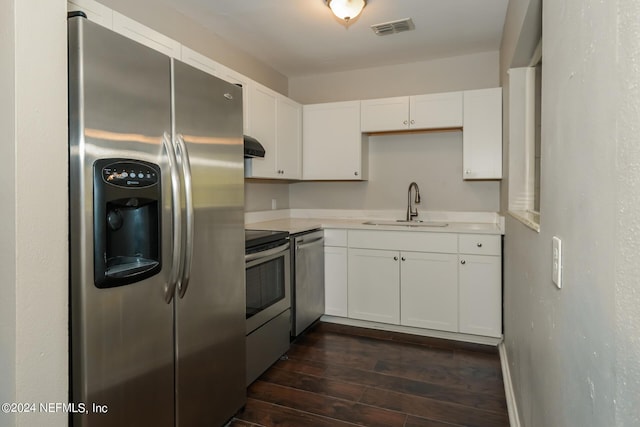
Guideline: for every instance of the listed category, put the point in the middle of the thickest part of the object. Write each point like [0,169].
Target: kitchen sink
[405,223]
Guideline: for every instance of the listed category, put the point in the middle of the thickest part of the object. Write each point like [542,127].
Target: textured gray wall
[573,353]
[432,160]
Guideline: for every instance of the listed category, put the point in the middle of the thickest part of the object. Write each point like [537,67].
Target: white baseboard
[512,406]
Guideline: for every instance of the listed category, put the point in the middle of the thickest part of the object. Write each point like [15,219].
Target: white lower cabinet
[335,281]
[455,287]
[480,295]
[374,285]
[429,291]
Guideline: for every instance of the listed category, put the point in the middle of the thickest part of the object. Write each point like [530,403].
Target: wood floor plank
[413,421]
[488,401]
[338,375]
[325,406]
[467,378]
[268,414]
[433,409]
[442,343]
[333,387]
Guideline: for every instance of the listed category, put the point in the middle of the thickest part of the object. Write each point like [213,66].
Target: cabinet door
[332,142]
[145,35]
[429,291]
[434,111]
[289,138]
[480,300]
[374,285]
[335,281]
[482,134]
[263,128]
[386,114]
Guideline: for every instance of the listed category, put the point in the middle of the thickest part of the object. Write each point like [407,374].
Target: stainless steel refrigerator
[157,292]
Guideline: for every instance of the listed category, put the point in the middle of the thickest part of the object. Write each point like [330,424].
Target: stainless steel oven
[268,298]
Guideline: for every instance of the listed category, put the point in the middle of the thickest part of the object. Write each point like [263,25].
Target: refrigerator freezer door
[210,316]
[121,337]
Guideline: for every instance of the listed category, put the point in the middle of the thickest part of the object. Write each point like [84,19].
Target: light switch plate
[556,266]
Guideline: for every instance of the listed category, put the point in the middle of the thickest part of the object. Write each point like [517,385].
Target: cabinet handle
[405,122]
[463,262]
[395,258]
[413,122]
[479,245]
[403,258]
[356,173]
[468,171]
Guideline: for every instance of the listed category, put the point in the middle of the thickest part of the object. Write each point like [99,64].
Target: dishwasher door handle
[305,244]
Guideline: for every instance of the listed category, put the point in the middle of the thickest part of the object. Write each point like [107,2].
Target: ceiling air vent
[393,27]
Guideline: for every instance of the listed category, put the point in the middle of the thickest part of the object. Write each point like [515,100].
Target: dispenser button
[140,175]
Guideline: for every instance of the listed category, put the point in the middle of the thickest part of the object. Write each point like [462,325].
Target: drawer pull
[479,245]
[395,258]
[403,259]
[463,262]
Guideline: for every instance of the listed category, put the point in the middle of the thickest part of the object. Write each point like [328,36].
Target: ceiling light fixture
[346,9]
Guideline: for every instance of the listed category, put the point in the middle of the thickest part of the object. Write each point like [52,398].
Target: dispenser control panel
[129,174]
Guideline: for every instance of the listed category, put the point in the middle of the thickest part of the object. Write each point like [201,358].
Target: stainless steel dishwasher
[307,263]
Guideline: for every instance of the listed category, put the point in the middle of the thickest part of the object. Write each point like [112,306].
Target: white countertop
[301,224]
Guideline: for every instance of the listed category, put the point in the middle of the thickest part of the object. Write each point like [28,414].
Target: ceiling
[302,37]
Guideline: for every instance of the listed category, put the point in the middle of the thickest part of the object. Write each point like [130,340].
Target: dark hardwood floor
[336,375]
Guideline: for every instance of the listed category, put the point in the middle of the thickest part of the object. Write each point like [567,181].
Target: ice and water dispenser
[127,227]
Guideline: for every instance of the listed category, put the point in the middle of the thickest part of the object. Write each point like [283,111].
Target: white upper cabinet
[433,111]
[385,114]
[199,61]
[145,35]
[263,128]
[436,111]
[95,11]
[289,138]
[482,134]
[276,124]
[333,148]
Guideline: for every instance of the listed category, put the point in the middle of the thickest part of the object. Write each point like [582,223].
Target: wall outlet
[274,204]
[556,266]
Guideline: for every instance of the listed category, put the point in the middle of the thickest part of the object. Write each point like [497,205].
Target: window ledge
[530,219]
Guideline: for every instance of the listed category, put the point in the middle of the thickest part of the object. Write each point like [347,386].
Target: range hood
[252,148]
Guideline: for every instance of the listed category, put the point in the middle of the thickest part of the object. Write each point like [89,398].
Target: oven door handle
[267,253]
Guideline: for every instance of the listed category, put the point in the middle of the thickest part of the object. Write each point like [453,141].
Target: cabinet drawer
[404,241]
[333,237]
[480,244]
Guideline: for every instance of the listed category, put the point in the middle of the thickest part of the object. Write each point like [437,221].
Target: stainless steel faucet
[412,213]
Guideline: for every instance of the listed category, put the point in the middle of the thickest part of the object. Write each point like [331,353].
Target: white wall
[474,71]
[33,240]
[432,160]
[573,353]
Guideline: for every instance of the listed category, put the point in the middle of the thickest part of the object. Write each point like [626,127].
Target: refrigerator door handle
[176,215]
[183,283]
